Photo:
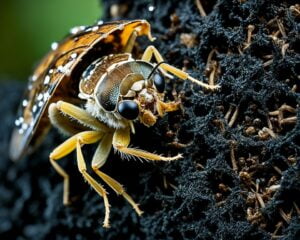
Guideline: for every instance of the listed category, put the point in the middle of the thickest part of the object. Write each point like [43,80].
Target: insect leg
[185,76]
[151,50]
[63,122]
[121,141]
[148,54]
[64,149]
[130,43]
[81,116]
[95,185]
[99,159]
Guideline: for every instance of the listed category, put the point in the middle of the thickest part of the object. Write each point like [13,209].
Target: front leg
[152,51]
[121,140]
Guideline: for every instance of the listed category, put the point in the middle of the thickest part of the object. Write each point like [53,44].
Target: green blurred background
[28,27]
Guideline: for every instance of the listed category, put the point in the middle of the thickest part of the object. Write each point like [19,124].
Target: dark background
[200,196]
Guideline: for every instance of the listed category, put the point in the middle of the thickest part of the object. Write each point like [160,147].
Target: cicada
[93,89]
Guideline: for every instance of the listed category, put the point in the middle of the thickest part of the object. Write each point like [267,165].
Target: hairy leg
[81,116]
[98,161]
[152,51]
[63,122]
[64,149]
[94,184]
[121,140]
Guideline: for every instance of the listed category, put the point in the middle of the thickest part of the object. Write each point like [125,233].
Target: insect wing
[52,80]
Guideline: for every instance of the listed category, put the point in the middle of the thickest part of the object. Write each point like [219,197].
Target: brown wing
[56,77]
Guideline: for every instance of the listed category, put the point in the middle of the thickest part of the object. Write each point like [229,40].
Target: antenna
[153,70]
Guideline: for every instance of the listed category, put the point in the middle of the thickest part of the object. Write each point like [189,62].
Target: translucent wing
[57,76]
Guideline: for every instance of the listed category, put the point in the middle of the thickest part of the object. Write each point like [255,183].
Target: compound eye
[128,109]
[159,82]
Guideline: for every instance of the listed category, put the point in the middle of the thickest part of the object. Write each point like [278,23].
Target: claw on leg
[62,172]
[121,141]
[98,161]
[95,185]
[185,76]
[118,188]
[74,142]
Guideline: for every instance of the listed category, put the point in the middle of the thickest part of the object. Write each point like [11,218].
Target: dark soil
[240,176]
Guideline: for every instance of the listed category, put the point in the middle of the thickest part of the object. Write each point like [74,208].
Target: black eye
[159,82]
[128,109]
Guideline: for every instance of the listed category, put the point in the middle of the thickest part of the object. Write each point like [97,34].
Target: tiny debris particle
[117,10]
[151,8]
[250,130]
[188,39]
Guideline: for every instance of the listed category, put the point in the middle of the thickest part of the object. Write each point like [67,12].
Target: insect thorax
[107,80]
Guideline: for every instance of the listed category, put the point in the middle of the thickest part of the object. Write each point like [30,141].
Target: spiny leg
[95,185]
[151,50]
[81,116]
[98,161]
[130,43]
[64,149]
[121,140]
